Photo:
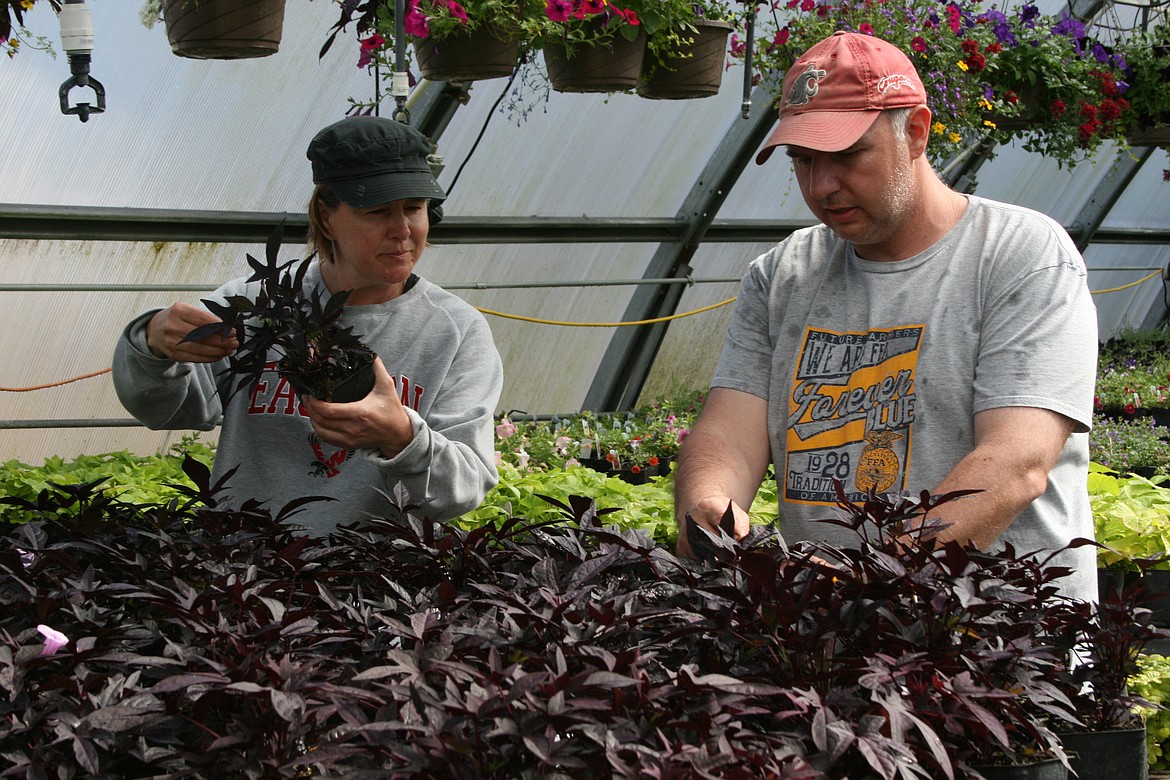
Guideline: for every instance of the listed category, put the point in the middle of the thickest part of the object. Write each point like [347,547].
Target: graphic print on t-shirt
[850,413]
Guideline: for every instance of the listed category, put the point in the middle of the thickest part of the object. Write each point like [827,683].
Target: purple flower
[1028,15]
[54,639]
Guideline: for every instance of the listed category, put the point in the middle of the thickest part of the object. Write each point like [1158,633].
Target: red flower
[866,28]
[993,48]
[781,37]
[1130,408]
[918,44]
[807,5]
[593,7]
[653,460]
[1110,110]
[635,469]
[369,46]
[969,46]
[976,62]
[1097,402]
[1058,108]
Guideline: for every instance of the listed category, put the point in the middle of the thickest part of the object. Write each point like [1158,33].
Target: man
[917,339]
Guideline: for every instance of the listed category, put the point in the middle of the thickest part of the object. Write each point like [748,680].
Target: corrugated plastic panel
[188,134]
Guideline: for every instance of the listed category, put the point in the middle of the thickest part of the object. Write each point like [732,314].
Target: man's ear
[918,130]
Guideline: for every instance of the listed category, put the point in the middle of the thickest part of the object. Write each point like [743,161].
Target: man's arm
[1015,448]
[723,459]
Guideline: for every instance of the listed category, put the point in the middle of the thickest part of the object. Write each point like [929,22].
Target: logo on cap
[805,86]
[894,81]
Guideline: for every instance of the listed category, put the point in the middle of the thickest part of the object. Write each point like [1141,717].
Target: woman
[426,425]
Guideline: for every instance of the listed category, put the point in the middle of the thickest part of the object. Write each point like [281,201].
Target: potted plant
[1106,739]
[297,328]
[11,35]
[471,40]
[1130,445]
[219,29]
[1004,75]
[1147,56]
[1133,376]
[591,45]
[686,45]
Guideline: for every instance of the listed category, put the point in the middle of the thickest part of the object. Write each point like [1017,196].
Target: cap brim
[376,190]
[823,131]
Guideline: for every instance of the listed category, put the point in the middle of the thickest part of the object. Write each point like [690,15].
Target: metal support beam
[1125,166]
[631,352]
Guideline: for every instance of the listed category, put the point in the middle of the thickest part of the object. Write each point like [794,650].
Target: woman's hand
[377,421]
[167,329]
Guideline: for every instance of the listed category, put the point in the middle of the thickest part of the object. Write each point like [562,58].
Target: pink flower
[417,24]
[592,7]
[954,16]
[807,5]
[780,39]
[457,11]
[54,639]
[558,10]
[499,459]
[562,444]
[866,28]
[572,462]
[505,429]
[522,458]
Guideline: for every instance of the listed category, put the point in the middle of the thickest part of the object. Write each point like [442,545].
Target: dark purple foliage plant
[214,643]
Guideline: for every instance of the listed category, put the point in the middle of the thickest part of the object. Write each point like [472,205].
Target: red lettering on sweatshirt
[406,390]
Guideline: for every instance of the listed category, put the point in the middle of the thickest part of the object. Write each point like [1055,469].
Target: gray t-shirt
[874,370]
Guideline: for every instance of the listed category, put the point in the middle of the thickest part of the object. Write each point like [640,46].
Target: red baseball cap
[836,90]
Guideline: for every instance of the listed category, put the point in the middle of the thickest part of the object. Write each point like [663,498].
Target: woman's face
[374,249]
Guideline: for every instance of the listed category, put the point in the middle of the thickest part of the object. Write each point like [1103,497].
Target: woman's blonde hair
[323,197]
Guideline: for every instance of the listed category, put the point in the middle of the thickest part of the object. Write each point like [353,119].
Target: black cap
[371,160]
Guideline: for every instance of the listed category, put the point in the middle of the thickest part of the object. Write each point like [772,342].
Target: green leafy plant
[989,72]
[133,479]
[1131,517]
[1147,56]
[1152,683]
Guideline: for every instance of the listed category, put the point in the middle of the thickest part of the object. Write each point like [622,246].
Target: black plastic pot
[346,390]
[1041,770]
[1115,754]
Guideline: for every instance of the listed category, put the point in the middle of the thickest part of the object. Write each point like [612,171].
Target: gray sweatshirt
[436,347]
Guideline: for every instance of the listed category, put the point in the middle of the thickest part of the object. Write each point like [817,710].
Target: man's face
[864,193]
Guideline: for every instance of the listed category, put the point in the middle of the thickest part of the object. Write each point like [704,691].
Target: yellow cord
[539,321]
[606,324]
[1127,286]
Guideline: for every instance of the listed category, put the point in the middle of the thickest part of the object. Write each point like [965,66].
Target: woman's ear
[323,215]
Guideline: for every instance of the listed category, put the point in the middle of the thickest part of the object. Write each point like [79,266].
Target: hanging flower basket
[615,66]
[481,54]
[695,70]
[1151,136]
[224,29]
